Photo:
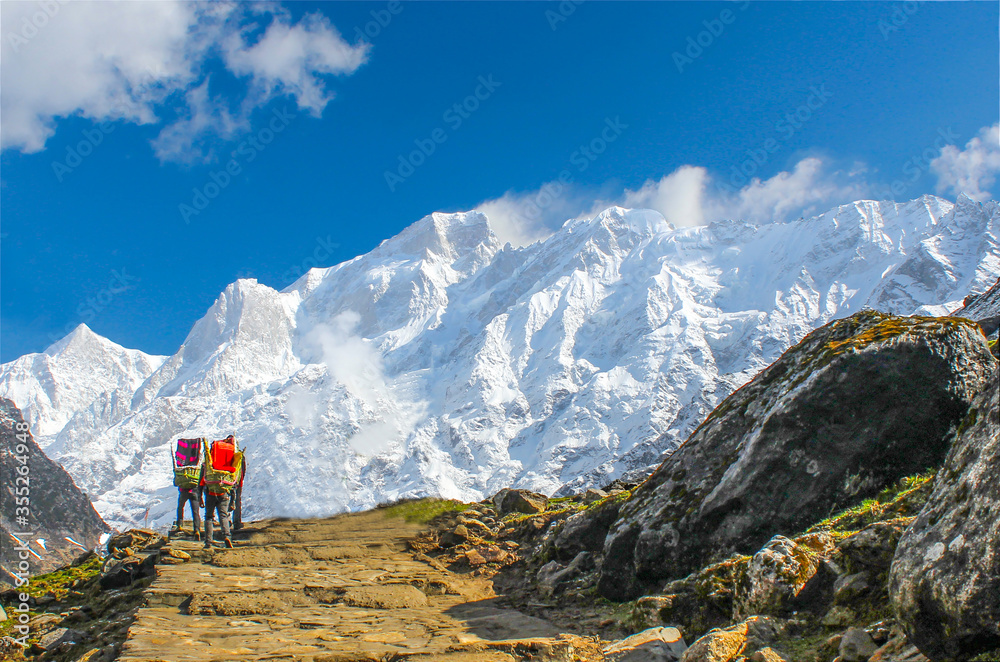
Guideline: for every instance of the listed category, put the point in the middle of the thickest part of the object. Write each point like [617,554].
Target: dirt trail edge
[341,589]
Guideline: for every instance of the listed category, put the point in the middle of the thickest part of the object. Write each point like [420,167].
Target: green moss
[423,511]
[721,578]
[904,499]
[989,656]
[808,648]
[62,580]
[968,421]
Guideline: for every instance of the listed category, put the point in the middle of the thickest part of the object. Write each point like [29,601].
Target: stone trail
[342,589]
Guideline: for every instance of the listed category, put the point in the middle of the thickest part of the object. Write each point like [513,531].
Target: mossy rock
[945,575]
[841,416]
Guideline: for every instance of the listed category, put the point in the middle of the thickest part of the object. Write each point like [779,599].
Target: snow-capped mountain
[445,362]
[83,376]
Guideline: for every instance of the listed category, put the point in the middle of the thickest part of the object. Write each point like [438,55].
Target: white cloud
[287,59]
[524,218]
[514,219]
[351,360]
[971,170]
[807,190]
[98,60]
[139,61]
[679,196]
[685,197]
[357,365]
[204,118]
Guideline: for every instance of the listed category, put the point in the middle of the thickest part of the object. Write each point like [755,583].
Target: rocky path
[339,589]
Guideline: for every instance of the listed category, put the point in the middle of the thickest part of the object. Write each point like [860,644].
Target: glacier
[445,362]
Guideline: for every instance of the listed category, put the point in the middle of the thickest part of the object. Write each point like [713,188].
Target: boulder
[57,637]
[657,644]
[42,622]
[179,554]
[839,616]
[134,540]
[474,558]
[817,593]
[521,501]
[3,614]
[774,576]
[553,577]
[475,526]
[858,404]
[585,531]
[945,575]
[705,599]
[873,547]
[498,497]
[849,588]
[856,646]
[493,554]
[767,654]
[653,610]
[593,495]
[456,536]
[741,640]
[898,649]
[118,573]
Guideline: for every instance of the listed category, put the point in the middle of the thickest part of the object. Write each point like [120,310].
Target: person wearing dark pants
[218,475]
[217,503]
[236,506]
[192,495]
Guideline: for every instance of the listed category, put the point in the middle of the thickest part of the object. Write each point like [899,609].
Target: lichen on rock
[945,575]
[856,405]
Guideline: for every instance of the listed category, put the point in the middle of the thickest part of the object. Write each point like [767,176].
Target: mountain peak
[80,336]
[448,235]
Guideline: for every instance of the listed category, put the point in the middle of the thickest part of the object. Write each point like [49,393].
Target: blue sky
[116,117]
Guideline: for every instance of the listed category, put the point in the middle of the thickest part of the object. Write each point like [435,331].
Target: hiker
[236,507]
[220,473]
[187,460]
[192,494]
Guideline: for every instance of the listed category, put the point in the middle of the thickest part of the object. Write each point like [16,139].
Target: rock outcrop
[984,309]
[856,405]
[653,645]
[40,491]
[778,572]
[519,501]
[945,576]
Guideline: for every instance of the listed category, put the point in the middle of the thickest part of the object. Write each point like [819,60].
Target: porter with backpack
[189,455]
[222,471]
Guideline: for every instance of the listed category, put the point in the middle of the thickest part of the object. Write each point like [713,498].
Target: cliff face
[858,404]
[53,506]
[945,579]
[985,309]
